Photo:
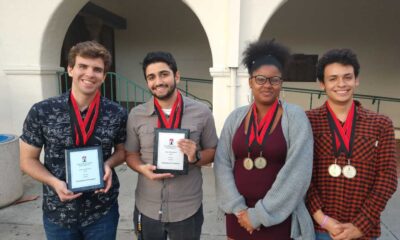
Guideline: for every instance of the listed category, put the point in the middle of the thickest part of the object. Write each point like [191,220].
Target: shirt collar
[150,106]
[65,98]
[361,113]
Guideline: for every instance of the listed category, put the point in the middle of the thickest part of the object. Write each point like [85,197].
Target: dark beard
[168,95]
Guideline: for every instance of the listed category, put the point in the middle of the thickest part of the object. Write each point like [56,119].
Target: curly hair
[343,56]
[259,49]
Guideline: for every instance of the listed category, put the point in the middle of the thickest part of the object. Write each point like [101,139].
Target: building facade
[207,38]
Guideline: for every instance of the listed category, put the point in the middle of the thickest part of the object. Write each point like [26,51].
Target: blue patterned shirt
[48,124]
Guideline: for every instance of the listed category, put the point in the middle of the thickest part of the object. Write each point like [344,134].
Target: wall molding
[220,72]
[32,70]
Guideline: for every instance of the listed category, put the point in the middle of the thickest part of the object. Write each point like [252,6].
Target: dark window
[81,30]
[302,68]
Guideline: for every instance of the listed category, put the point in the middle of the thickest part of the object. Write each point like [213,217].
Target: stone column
[223,95]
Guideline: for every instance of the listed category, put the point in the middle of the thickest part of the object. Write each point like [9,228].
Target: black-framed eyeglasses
[261,80]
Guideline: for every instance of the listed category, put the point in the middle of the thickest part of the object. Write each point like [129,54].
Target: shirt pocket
[364,149]
[146,136]
[195,134]
[57,136]
[323,145]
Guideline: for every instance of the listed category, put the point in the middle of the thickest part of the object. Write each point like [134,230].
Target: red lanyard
[259,130]
[83,129]
[174,120]
[342,136]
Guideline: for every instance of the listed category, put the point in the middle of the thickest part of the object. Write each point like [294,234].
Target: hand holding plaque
[107,179]
[62,191]
[168,158]
[188,147]
[84,169]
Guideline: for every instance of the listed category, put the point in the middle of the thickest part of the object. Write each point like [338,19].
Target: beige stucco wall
[23,78]
[367,27]
[206,37]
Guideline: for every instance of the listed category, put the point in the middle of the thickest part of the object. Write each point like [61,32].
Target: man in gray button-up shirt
[168,205]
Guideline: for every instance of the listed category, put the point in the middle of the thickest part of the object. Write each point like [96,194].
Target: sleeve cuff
[239,207]
[314,204]
[30,141]
[231,207]
[253,218]
[362,223]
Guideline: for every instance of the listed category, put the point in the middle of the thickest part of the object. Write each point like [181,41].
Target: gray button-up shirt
[180,197]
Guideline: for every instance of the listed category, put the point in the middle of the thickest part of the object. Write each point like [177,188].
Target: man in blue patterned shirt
[77,119]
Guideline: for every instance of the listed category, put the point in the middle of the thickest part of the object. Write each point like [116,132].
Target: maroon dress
[254,184]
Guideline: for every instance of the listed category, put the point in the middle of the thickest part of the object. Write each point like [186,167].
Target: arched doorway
[92,23]
[150,26]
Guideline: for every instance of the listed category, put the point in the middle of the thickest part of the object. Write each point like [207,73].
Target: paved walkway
[24,221]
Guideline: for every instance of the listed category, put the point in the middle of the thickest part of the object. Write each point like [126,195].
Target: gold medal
[248,163]
[258,131]
[334,170]
[349,171]
[260,162]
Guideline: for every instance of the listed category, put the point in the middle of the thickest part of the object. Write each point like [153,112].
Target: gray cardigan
[286,196]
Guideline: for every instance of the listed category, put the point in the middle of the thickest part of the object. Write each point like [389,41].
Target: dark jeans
[103,229]
[322,236]
[325,236]
[188,229]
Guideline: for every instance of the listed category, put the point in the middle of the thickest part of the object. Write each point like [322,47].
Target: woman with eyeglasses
[263,162]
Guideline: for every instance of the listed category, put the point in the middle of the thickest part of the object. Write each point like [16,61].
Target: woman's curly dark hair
[261,48]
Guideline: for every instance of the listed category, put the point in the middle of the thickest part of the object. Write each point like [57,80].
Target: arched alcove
[313,27]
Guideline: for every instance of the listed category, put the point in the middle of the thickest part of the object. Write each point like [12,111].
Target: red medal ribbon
[85,128]
[345,131]
[259,130]
[174,120]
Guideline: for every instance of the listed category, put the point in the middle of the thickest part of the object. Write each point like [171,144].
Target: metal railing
[125,91]
[319,93]
[130,94]
[187,81]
